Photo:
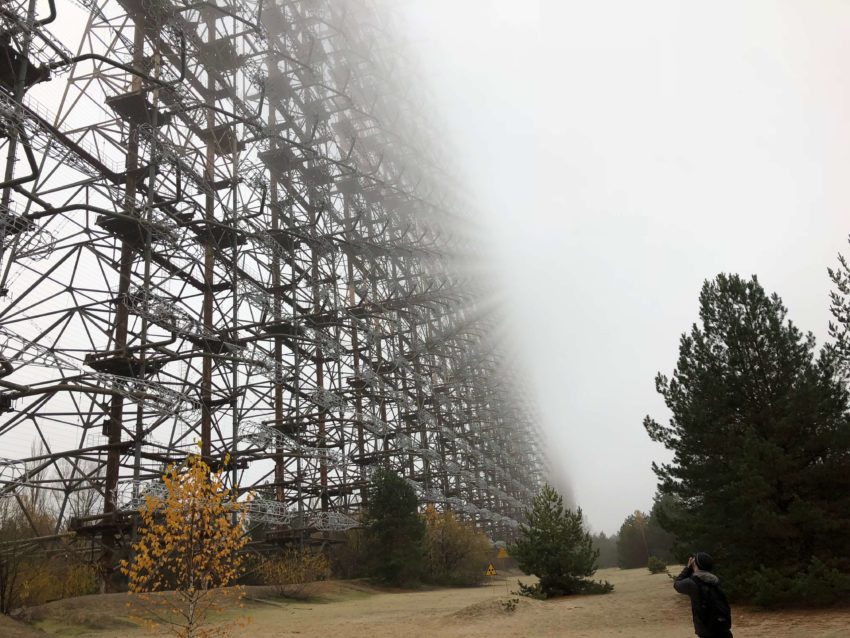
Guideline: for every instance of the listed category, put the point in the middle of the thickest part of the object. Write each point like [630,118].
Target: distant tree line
[640,538]
[760,435]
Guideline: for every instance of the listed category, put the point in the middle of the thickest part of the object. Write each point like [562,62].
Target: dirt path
[642,606]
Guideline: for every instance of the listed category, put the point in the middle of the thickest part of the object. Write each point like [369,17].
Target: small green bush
[532,591]
[296,572]
[510,604]
[656,565]
[539,592]
[596,587]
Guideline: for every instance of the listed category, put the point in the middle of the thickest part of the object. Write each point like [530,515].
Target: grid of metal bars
[226,229]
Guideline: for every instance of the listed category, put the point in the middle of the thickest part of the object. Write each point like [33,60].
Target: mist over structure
[226,231]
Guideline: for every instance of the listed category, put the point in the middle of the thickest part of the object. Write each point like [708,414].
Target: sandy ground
[641,606]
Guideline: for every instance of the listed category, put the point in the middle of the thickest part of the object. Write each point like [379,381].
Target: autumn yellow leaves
[188,544]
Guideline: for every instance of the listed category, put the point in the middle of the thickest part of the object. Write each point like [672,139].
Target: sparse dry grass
[642,606]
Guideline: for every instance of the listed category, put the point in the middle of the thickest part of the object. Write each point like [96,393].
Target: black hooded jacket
[685,583]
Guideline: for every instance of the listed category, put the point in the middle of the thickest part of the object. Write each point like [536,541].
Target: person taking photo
[709,607]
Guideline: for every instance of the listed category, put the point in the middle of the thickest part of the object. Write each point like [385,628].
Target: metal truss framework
[225,229]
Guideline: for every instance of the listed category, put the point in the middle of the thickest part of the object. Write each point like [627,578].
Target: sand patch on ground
[642,606]
[497,608]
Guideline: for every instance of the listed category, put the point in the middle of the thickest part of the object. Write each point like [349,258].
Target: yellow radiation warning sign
[503,553]
[491,571]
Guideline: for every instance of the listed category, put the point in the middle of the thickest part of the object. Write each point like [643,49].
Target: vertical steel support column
[355,347]
[122,315]
[12,154]
[209,258]
[274,177]
[318,359]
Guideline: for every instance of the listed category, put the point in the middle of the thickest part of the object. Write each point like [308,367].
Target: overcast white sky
[620,153]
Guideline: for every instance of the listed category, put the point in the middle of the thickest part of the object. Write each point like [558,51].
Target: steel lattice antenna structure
[225,230]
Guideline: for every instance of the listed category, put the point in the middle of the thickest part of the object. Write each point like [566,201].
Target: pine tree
[394,529]
[761,441]
[554,546]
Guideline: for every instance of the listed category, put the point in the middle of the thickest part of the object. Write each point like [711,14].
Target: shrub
[350,559]
[42,579]
[31,577]
[455,552]
[588,587]
[296,573]
[510,604]
[532,591]
[656,565]
[595,587]
[819,585]
[25,517]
